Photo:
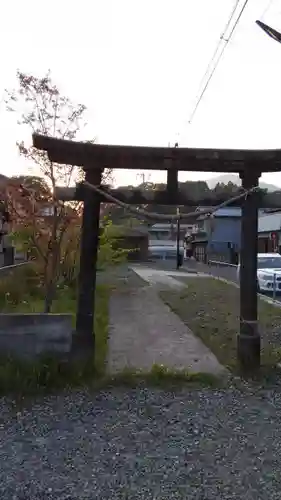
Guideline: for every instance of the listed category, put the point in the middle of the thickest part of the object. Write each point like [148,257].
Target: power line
[217,62]
[222,39]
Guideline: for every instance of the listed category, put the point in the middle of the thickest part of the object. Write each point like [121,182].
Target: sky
[137,66]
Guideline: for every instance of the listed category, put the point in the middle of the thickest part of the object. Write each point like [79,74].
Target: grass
[48,374]
[161,376]
[20,293]
[210,308]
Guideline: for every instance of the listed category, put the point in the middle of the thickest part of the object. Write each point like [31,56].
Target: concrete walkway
[144,331]
[165,277]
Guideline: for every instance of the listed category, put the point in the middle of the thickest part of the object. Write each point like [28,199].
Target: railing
[227,257]
[222,269]
[221,263]
[7,270]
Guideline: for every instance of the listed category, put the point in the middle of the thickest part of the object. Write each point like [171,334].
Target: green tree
[226,189]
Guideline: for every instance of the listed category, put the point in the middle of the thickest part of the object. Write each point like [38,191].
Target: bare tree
[41,107]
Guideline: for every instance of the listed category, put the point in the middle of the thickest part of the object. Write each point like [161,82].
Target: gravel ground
[143,444]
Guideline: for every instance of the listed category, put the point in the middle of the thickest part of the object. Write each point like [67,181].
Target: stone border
[29,335]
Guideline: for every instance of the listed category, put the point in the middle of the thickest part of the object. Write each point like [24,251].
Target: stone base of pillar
[248,352]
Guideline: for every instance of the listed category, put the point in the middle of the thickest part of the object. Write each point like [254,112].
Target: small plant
[110,254]
[161,376]
[20,285]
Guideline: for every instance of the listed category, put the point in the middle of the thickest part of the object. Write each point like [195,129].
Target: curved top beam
[99,156]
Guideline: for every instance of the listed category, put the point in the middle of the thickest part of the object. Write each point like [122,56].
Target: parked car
[268,272]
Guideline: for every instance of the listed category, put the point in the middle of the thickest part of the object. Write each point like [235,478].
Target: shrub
[21,283]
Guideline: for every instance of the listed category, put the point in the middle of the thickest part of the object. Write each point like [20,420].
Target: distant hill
[236,180]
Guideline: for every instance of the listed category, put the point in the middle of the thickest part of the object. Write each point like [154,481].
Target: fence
[221,263]
[220,269]
[9,270]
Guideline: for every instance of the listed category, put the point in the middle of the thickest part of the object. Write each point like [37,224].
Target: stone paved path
[144,331]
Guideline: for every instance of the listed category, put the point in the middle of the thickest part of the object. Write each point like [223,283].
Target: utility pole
[142,176]
[178,230]
[178,239]
[274,34]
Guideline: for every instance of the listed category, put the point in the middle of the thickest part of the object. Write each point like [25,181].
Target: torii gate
[93,158]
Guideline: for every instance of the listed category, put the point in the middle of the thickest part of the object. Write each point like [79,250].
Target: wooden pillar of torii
[248,339]
[89,253]
[88,263]
[94,157]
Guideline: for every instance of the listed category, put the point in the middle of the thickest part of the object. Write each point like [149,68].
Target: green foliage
[19,286]
[230,189]
[161,376]
[193,190]
[22,240]
[110,253]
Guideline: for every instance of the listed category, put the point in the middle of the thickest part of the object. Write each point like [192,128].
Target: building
[218,237]
[165,234]
[269,233]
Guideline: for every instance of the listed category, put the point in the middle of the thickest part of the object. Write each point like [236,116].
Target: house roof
[228,212]
[167,226]
[268,223]
[222,212]
[121,231]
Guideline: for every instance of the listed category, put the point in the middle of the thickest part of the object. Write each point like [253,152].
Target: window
[269,262]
